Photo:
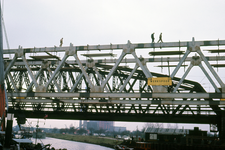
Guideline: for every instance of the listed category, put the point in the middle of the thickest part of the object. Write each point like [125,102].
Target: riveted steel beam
[117,46]
[10,65]
[209,78]
[180,63]
[127,60]
[78,80]
[57,70]
[36,77]
[13,83]
[183,77]
[113,69]
[30,71]
[212,70]
[121,95]
[83,71]
[128,78]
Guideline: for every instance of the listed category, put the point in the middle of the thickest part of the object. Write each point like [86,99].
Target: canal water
[70,145]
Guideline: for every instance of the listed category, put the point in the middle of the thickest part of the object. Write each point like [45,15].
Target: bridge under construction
[114,82]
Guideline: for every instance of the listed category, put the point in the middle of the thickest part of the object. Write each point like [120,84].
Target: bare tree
[175,126]
[153,125]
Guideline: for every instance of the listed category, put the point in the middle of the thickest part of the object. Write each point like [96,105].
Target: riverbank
[103,141]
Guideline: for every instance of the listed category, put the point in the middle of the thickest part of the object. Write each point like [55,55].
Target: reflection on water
[70,145]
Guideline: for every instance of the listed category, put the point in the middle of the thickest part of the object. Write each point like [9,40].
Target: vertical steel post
[222,126]
[1,52]
[2,91]
[8,134]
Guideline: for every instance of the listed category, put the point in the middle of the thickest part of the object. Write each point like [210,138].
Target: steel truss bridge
[82,86]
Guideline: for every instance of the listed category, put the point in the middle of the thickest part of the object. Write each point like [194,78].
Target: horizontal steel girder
[202,119]
[116,46]
[99,102]
[121,95]
[128,60]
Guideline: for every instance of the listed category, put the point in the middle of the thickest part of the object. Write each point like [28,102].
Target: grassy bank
[86,139]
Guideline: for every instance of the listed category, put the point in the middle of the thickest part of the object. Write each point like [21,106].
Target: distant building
[83,124]
[93,124]
[106,125]
[120,129]
[97,125]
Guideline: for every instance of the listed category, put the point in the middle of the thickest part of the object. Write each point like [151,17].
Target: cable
[6,37]
[3,24]
[2,5]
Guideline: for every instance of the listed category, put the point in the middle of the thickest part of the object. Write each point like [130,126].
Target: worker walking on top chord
[160,38]
[153,38]
[61,42]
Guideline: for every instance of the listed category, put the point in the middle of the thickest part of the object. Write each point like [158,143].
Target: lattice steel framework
[114,88]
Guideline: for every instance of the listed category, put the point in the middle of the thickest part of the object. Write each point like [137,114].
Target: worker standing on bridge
[153,38]
[61,42]
[160,38]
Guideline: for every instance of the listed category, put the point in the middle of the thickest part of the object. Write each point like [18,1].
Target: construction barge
[174,139]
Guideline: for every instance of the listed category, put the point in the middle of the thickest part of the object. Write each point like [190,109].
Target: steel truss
[109,89]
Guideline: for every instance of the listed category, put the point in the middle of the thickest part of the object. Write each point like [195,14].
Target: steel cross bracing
[94,89]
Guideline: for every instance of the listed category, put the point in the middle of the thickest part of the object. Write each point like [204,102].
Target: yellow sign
[20,97]
[222,99]
[160,81]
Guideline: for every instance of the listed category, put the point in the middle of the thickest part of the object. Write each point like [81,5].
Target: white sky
[42,23]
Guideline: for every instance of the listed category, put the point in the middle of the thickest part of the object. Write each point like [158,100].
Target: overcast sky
[42,23]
